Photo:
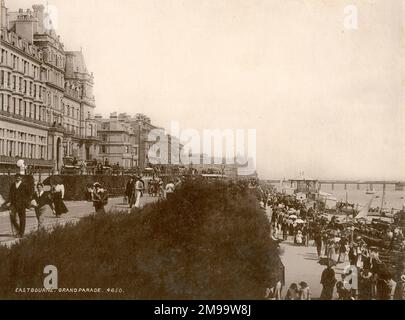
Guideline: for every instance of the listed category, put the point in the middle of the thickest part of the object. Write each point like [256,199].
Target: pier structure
[399,185]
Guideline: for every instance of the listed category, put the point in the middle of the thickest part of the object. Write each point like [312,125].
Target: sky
[324,99]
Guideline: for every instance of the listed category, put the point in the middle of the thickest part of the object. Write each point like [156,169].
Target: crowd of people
[373,252]
[156,187]
[47,198]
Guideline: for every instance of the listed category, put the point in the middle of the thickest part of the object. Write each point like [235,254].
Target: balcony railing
[20,117]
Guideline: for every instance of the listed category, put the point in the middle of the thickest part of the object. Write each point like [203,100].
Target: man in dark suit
[18,199]
[129,191]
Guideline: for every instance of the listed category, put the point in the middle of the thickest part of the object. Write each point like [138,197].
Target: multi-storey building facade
[118,141]
[127,140]
[46,99]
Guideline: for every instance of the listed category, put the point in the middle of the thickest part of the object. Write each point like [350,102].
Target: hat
[403,277]
[96,184]
[18,175]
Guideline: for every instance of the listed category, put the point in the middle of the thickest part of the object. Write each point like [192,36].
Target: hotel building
[46,99]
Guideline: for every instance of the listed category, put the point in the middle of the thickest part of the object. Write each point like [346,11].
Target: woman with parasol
[58,194]
[99,198]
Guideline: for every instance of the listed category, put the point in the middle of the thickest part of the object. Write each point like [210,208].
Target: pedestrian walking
[343,244]
[365,284]
[285,230]
[130,191]
[58,194]
[318,243]
[19,199]
[170,187]
[42,203]
[399,293]
[328,282]
[99,198]
[353,254]
[139,186]
[299,238]
[161,188]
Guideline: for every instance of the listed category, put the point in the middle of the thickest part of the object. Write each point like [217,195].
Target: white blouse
[60,188]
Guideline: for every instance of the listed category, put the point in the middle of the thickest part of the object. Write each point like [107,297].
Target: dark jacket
[44,199]
[19,198]
[130,187]
[100,199]
[328,277]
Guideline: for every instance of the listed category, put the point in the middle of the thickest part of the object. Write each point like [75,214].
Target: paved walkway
[301,264]
[77,210]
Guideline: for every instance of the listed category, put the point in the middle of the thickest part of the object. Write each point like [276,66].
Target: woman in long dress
[100,198]
[299,237]
[58,194]
[138,193]
[42,203]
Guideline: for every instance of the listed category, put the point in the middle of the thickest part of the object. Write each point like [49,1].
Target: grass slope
[210,241]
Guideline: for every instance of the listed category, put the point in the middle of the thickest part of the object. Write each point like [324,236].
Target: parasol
[293,216]
[53,180]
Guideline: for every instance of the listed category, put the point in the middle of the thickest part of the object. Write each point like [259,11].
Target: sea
[392,199]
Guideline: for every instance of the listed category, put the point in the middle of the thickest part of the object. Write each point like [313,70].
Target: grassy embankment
[211,241]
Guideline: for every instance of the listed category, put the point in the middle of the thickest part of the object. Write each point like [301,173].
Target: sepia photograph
[202,150]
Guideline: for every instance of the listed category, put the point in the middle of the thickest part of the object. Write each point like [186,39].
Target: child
[292,293]
[304,291]
[299,237]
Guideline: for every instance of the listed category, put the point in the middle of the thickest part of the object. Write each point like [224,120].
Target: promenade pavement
[77,210]
[301,264]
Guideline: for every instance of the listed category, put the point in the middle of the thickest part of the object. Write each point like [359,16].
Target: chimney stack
[3,15]
[39,13]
